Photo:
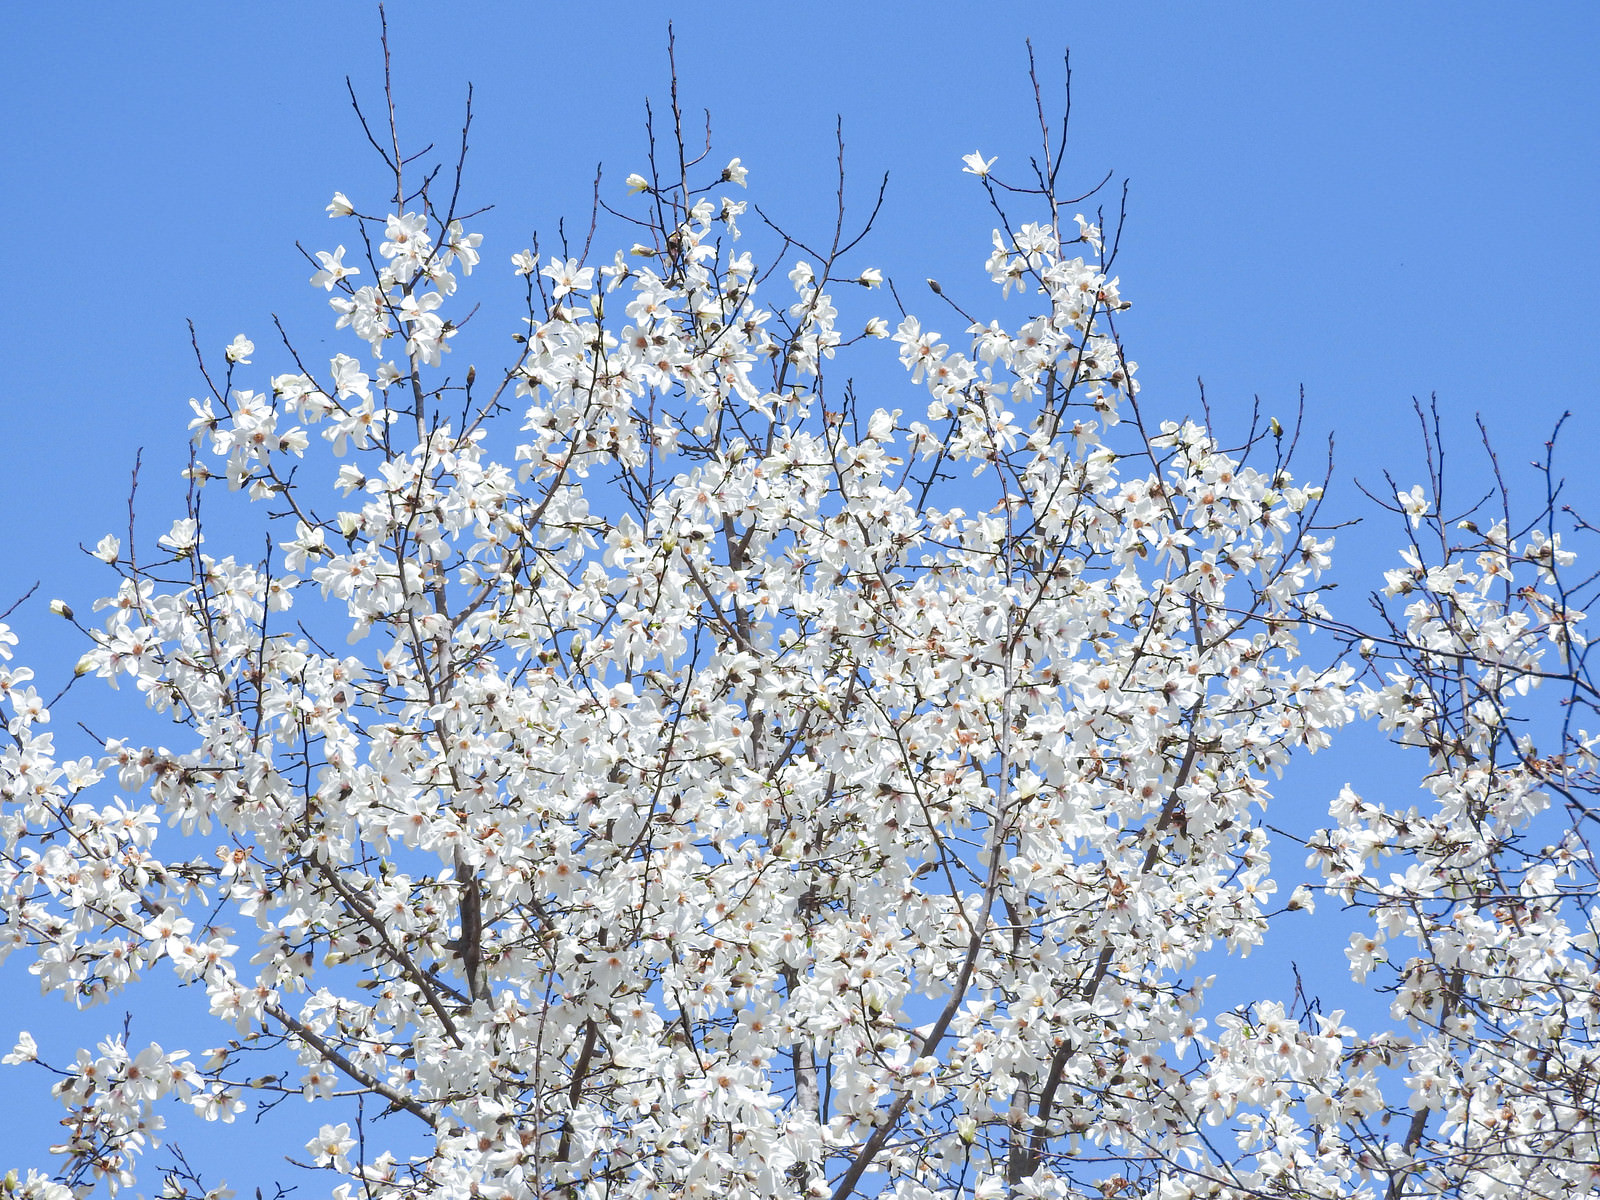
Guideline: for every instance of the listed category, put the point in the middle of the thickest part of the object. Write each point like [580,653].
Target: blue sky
[1370,200]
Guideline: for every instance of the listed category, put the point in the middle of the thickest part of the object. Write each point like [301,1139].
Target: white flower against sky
[977,164]
[332,271]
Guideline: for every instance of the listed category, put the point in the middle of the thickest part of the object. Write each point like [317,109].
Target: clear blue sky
[1373,200]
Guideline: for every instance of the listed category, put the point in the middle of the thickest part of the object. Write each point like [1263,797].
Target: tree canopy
[654,766]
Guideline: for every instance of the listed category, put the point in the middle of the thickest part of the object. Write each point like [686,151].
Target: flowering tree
[656,769]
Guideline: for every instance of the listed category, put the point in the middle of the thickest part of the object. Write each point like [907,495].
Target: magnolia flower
[568,276]
[977,164]
[637,183]
[735,173]
[182,537]
[26,1050]
[333,270]
[349,380]
[463,245]
[331,1145]
[240,349]
[341,206]
[1414,504]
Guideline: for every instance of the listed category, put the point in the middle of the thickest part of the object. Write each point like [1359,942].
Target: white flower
[637,183]
[881,425]
[568,276]
[107,548]
[26,1050]
[463,245]
[1414,504]
[240,349]
[182,537]
[333,270]
[735,173]
[870,278]
[349,380]
[1364,952]
[331,1145]
[341,206]
[976,164]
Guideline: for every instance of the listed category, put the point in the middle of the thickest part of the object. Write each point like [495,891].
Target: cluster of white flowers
[721,796]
